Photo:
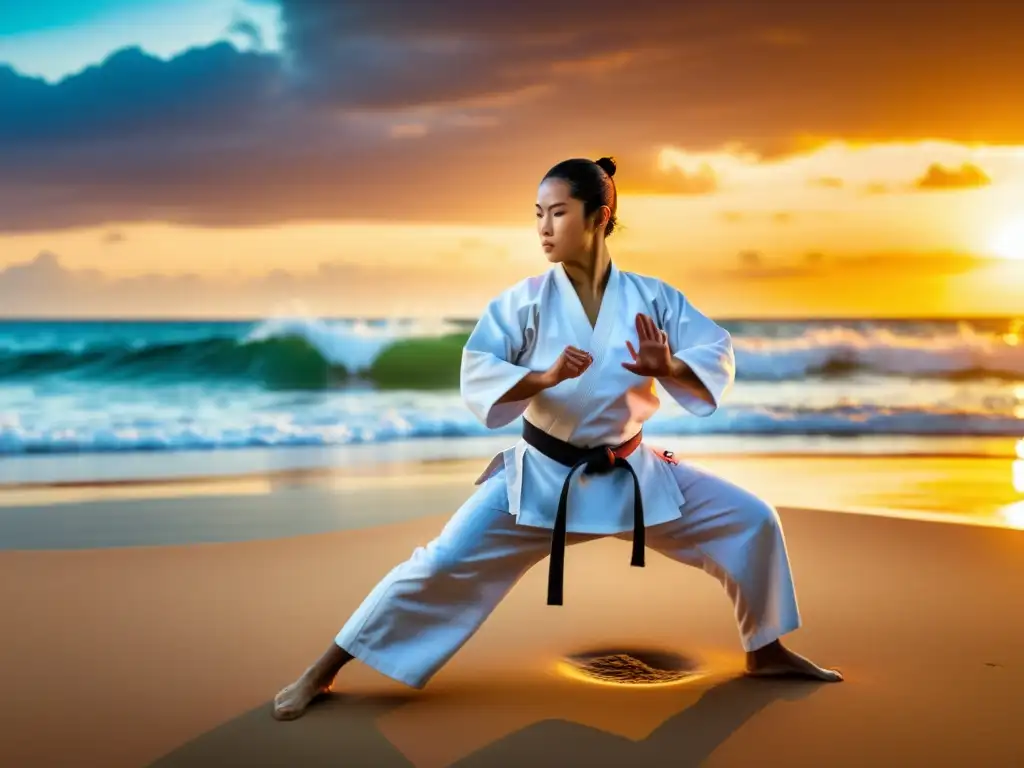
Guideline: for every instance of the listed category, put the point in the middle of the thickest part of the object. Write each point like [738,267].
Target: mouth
[547,246]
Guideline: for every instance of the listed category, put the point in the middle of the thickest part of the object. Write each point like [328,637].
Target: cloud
[113,237]
[408,130]
[898,266]
[323,128]
[781,37]
[755,264]
[876,188]
[248,30]
[826,182]
[44,286]
[967,176]
[680,179]
[836,166]
[136,99]
[739,217]
[410,54]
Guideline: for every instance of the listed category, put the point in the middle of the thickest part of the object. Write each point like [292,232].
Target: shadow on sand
[340,731]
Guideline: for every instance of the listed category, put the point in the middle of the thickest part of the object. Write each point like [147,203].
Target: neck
[590,274]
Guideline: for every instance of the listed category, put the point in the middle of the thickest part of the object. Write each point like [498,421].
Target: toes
[793,672]
[287,710]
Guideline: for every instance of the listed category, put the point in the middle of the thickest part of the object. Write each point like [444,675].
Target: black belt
[595,461]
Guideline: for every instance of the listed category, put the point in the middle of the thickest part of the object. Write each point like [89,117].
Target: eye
[560,213]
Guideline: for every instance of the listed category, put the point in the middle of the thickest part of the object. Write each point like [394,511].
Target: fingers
[646,328]
[641,327]
[653,330]
[577,356]
[631,367]
[632,352]
[576,361]
[664,337]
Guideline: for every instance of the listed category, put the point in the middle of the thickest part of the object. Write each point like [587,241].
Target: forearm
[531,384]
[683,375]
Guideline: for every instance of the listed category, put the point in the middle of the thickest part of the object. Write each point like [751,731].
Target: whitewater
[93,386]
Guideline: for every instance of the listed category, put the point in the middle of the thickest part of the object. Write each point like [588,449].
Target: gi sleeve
[702,345]
[489,368]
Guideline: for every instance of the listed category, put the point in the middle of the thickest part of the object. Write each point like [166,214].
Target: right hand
[569,365]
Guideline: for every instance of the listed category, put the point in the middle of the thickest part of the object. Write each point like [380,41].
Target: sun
[1008,242]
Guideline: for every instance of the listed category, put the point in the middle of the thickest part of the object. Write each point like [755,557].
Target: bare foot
[291,702]
[775,660]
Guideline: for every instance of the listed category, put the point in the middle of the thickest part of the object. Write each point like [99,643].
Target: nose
[544,226]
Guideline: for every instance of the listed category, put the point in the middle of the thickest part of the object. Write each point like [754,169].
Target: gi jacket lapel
[592,339]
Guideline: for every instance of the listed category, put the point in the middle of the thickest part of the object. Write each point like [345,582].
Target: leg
[737,538]
[428,607]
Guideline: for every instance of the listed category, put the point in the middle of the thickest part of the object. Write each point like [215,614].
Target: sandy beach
[153,626]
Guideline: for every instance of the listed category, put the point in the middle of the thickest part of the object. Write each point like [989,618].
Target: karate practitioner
[576,351]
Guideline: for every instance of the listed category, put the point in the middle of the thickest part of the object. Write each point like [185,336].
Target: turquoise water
[164,386]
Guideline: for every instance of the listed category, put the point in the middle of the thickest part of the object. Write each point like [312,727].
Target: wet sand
[127,643]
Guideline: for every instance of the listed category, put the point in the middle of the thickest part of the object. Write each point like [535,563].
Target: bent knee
[443,560]
[760,516]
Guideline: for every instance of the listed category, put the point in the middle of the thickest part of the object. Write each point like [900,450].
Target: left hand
[653,358]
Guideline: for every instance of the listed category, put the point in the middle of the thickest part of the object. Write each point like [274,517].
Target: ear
[601,217]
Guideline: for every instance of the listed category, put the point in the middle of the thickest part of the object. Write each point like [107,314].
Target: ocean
[71,387]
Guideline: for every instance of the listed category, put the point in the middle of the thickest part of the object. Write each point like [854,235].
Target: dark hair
[590,182]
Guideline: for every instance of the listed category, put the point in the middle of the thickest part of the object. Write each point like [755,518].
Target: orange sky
[792,161]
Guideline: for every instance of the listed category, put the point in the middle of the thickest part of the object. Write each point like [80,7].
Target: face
[565,234]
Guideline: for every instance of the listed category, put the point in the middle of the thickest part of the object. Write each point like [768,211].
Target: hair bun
[607,164]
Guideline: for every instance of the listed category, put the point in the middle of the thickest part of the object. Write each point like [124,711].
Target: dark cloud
[966,176]
[44,286]
[451,110]
[136,98]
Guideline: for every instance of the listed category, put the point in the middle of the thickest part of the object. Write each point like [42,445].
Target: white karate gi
[426,608]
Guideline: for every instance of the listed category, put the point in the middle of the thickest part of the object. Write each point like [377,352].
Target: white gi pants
[428,607]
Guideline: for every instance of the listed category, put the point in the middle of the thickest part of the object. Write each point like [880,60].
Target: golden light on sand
[1008,242]
[572,672]
[630,669]
[1014,515]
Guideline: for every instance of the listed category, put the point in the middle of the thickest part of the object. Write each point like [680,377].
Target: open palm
[652,357]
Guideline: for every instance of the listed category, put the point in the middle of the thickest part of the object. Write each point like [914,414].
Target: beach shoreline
[972,490]
[22,471]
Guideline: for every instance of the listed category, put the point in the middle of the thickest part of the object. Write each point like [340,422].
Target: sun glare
[1009,241]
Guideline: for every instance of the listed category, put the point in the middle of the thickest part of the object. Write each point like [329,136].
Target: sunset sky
[381,157]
